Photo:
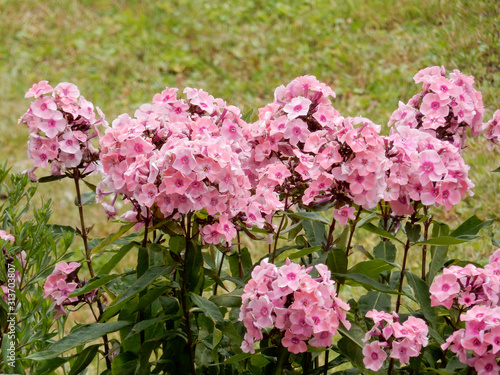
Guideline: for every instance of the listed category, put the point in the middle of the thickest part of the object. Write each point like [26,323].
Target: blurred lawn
[120,53]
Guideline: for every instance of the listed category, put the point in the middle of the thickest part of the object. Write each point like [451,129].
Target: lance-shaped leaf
[80,336]
[208,307]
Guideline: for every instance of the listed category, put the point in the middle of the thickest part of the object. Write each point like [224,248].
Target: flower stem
[184,299]
[400,288]
[84,233]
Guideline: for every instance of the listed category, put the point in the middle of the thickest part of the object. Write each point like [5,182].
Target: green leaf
[208,307]
[88,198]
[45,179]
[95,283]
[351,344]
[381,232]
[448,240]
[310,216]
[471,227]
[371,268]
[305,252]
[125,364]
[375,300]
[145,324]
[112,238]
[385,250]
[237,358]
[234,337]
[232,299]
[246,262]
[438,253]
[315,232]
[194,267]
[90,186]
[152,295]
[423,297]
[259,360]
[412,231]
[109,265]
[367,282]
[140,284]
[50,365]
[177,244]
[247,116]
[84,359]
[337,261]
[80,336]
[366,219]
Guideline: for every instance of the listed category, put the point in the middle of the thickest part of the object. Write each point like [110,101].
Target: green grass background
[119,53]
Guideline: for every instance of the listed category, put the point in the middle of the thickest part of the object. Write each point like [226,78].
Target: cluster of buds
[61,124]
[61,283]
[306,309]
[401,341]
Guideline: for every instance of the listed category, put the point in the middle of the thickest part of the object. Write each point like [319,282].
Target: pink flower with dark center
[374,356]
[296,131]
[433,104]
[487,365]
[44,107]
[294,343]
[444,286]
[430,166]
[211,234]
[403,350]
[343,214]
[299,106]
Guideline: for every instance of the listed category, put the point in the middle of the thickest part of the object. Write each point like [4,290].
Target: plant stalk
[184,299]
[84,233]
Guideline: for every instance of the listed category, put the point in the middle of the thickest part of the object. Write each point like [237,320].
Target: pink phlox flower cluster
[491,130]
[305,152]
[61,283]
[469,286]
[478,344]
[61,124]
[445,107]
[307,310]
[423,169]
[400,341]
[179,156]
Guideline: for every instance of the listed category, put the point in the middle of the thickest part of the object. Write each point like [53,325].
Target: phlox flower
[403,350]
[487,365]
[343,214]
[374,356]
[299,106]
[294,342]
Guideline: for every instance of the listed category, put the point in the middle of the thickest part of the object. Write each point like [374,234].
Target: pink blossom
[299,106]
[343,214]
[374,356]
[294,343]
[6,237]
